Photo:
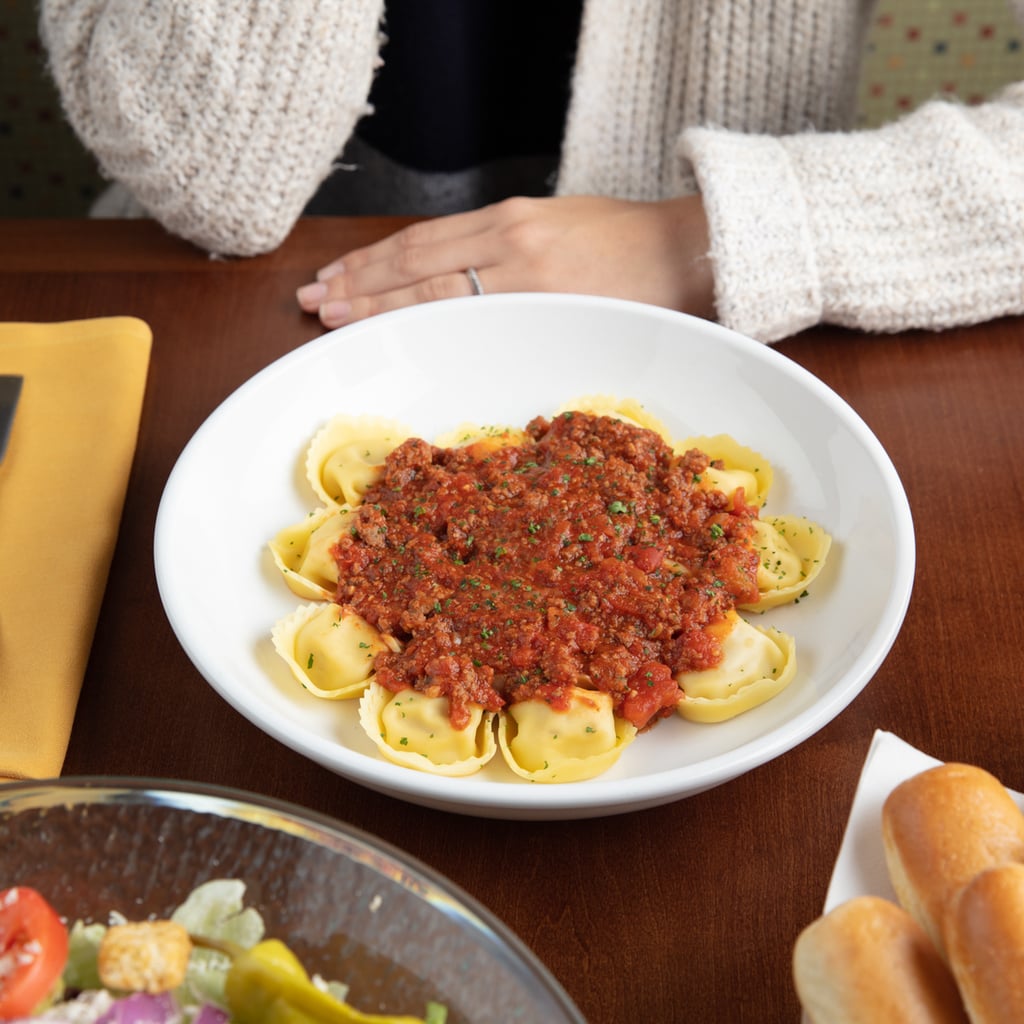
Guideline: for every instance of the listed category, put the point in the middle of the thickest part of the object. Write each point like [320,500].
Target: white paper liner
[860,866]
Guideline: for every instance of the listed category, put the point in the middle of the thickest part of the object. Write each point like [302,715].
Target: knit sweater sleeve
[918,224]
[220,117]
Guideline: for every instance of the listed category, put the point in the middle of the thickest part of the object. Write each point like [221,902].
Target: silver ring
[474,280]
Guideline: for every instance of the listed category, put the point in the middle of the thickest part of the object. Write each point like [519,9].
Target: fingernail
[334,314]
[331,270]
[311,295]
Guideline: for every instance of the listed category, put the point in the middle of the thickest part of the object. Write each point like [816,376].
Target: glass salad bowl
[352,908]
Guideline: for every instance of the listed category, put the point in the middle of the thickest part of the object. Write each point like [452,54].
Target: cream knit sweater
[222,117]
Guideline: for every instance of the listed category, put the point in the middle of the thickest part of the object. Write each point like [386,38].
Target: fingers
[311,296]
[388,280]
[335,267]
[421,263]
[408,264]
[425,234]
[335,312]
[417,251]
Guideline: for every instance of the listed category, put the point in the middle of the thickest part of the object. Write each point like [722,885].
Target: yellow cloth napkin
[62,487]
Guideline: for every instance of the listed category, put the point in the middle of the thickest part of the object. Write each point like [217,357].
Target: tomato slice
[33,950]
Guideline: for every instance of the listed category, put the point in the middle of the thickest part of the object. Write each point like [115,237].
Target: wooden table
[684,912]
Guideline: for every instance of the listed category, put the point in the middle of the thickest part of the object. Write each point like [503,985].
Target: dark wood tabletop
[683,912]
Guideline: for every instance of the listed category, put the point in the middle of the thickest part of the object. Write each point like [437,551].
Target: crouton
[144,956]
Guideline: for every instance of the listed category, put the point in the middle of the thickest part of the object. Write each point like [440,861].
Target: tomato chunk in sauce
[584,554]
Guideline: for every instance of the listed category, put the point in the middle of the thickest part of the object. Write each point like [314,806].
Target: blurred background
[917,49]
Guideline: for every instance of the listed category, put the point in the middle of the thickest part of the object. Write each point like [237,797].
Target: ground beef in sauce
[583,553]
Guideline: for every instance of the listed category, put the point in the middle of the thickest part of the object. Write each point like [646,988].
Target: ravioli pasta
[345,457]
[538,596]
[626,409]
[329,649]
[545,745]
[302,552]
[733,466]
[757,663]
[792,552]
[414,730]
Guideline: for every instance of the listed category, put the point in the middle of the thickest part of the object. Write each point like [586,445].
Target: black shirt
[468,106]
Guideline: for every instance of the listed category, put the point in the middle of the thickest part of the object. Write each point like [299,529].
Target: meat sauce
[581,552]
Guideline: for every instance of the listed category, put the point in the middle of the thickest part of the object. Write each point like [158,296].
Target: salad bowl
[350,907]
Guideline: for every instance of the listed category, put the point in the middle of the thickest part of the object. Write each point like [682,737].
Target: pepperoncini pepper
[268,985]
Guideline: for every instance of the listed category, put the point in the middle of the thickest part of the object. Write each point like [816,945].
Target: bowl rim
[20,795]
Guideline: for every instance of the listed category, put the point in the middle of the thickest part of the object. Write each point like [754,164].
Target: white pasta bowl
[503,360]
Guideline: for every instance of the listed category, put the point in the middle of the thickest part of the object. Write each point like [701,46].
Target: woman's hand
[650,252]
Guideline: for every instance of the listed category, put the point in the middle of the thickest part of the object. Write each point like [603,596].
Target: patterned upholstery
[919,49]
[44,171]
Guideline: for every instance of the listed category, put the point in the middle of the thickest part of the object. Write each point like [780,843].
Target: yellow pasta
[414,730]
[303,552]
[544,744]
[626,409]
[481,439]
[346,456]
[329,648]
[756,665]
[792,551]
[741,467]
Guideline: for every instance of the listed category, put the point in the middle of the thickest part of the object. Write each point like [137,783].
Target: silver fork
[10,389]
